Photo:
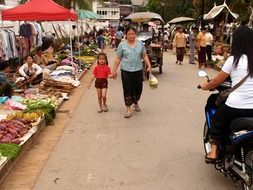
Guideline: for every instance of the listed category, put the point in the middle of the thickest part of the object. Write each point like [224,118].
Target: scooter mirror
[202,74]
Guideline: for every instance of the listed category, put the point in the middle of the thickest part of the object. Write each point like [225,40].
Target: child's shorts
[101,83]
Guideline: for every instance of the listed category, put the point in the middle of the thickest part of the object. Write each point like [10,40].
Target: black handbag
[223,95]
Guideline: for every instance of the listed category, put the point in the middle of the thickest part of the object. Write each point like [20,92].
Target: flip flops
[127,115]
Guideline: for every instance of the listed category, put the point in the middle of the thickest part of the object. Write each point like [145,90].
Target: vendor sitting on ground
[31,71]
[5,84]
[38,57]
[48,60]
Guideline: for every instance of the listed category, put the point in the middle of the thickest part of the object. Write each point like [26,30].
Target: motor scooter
[235,158]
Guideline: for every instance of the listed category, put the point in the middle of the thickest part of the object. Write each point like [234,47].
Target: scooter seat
[242,123]
[242,130]
[241,136]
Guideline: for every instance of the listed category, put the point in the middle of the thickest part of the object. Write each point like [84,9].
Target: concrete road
[159,148]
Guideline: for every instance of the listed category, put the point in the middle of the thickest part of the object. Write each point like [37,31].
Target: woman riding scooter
[239,102]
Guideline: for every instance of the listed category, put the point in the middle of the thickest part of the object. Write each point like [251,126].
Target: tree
[82,4]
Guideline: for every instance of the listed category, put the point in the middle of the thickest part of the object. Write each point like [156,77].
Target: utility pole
[202,13]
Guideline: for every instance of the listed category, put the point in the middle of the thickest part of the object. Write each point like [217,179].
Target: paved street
[159,148]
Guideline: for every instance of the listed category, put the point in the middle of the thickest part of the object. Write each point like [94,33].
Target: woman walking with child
[129,55]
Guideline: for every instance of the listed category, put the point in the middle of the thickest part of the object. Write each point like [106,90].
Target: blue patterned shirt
[131,57]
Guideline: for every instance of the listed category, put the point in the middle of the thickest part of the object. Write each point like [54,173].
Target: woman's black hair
[29,55]
[105,56]
[130,28]
[243,44]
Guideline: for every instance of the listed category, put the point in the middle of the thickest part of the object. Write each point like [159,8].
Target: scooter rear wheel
[245,186]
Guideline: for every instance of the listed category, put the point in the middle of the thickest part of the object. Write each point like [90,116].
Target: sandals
[212,156]
[136,108]
[105,108]
[210,160]
[127,115]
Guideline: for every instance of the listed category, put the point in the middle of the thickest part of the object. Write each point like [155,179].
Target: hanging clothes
[8,47]
[39,34]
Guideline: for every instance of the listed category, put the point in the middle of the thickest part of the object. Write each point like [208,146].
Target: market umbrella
[181,19]
[85,14]
[144,17]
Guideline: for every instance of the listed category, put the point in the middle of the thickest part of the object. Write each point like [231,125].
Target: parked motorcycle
[235,157]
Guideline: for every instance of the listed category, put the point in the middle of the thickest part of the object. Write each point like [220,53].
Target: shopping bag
[153,82]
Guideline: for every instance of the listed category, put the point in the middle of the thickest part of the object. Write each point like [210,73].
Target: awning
[216,10]
[85,14]
[39,10]
[144,17]
[181,19]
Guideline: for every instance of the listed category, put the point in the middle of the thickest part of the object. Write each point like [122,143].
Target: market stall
[23,115]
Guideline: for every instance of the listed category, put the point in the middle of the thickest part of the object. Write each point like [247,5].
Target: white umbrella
[144,17]
[181,19]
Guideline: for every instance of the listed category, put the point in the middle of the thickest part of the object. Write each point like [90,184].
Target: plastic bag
[153,82]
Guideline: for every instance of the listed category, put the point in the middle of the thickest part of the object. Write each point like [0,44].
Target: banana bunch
[33,116]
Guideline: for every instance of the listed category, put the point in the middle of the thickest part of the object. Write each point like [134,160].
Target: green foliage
[9,150]
[47,107]
[192,8]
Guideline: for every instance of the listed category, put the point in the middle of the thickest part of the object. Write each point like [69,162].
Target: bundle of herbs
[9,150]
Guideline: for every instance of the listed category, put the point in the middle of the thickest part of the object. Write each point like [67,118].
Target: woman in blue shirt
[129,56]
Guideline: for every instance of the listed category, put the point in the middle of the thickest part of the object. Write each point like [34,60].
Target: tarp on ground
[39,10]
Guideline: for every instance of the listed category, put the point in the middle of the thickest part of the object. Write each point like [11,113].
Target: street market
[45,55]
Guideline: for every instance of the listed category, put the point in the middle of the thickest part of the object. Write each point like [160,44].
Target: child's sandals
[105,108]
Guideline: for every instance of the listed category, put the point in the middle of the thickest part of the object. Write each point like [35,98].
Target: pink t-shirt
[102,71]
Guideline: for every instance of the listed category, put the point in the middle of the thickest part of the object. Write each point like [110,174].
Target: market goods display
[33,116]
[47,107]
[86,60]
[56,85]
[9,150]
[11,130]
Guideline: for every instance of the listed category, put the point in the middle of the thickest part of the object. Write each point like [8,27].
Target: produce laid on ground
[24,112]
[87,61]
[11,130]
[9,150]
[45,106]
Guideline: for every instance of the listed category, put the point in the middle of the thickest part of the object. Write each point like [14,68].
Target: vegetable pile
[47,107]
[9,150]
[12,130]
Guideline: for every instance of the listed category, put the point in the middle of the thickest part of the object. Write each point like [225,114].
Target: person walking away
[100,40]
[101,73]
[112,37]
[166,41]
[192,44]
[180,41]
[201,39]
[118,37]
[129,56]
[74,36]
[209,45]
[239,102]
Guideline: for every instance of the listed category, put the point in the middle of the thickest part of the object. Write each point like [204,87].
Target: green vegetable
[9,150]
[45,106]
